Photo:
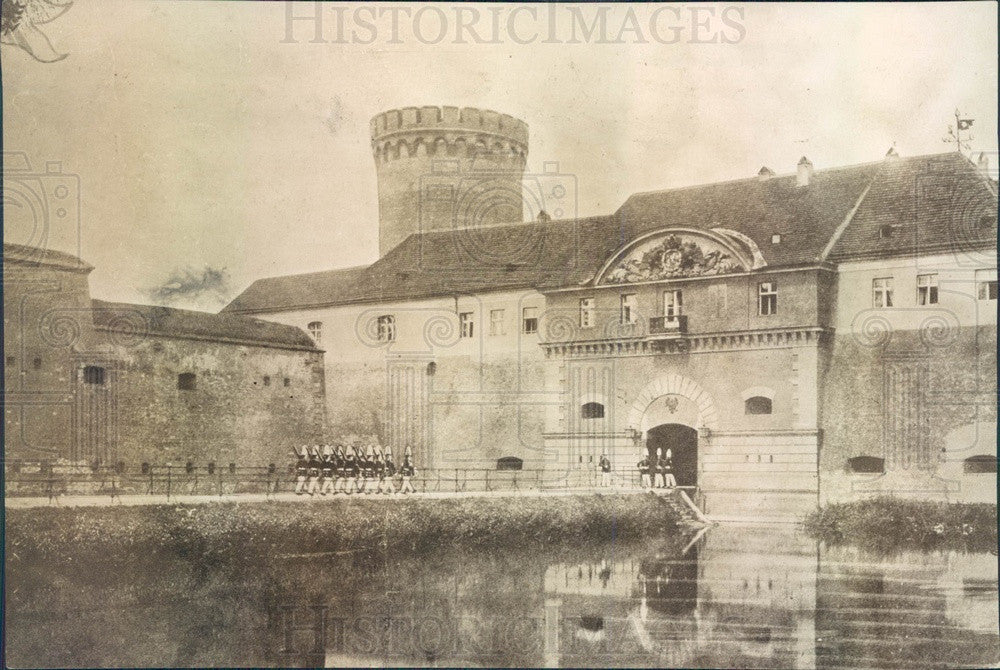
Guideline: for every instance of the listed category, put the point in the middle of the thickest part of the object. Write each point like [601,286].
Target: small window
[467,324]
[885,232]
[120,467]
[529,320]
[927,289]
[775,239]
[232,468]
[386,328]
[866,464]
[431,368]
[37,362]
[767,298]
[496,322]
[287,382]
[93,374]
[11,361]
[510,463]
[271,468]
[189,467]
[628,308]
[986,283]
[586,312]
[981,464]
[211,467]
[315,329]
[592,410]
[987,221]
[882,292]
[144,468]
[186,381]
[758,405]
[267,380]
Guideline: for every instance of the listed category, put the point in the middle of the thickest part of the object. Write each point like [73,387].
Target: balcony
[665,327]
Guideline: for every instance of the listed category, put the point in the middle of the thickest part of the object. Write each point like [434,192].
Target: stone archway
[676,385]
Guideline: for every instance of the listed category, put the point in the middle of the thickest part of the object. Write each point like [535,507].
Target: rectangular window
[466,322]
[628,308]
[386,328]
[586,312]
[530,320]
[496,322]
[986,284]
[36,363]
[186,381]
[267,380]
[93,374]
[767,298]
[927,289]
[882,292]
[672,303]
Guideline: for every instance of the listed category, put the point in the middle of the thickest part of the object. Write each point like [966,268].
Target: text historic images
[670,258]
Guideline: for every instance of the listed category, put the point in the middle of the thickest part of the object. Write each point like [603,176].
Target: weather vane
[955,133]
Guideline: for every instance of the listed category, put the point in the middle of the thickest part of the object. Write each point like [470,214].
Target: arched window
[186,381]
[983,463]
[866,464]
[758,405]
[509,463]
[592,410]
[93,374]
[315,329]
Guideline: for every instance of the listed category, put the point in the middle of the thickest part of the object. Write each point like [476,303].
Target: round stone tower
[444,168]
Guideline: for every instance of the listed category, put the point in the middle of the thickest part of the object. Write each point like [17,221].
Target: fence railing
[179,481]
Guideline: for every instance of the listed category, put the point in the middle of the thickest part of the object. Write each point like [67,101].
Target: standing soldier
[327,470]
[351,471]
[605,466]
[339,469]
[656,466]
[301,469]
[643,466]
[407,471]
[371,482]
[667,465]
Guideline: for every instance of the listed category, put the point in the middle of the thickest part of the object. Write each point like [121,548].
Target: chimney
[891,154]
[765,173]
[805,172]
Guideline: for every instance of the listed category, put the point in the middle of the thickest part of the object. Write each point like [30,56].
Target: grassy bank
[886,524]
[234,530]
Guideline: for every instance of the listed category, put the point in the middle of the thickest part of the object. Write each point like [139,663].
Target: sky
[202,137]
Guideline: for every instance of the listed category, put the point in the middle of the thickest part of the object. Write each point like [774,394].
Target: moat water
[733,596]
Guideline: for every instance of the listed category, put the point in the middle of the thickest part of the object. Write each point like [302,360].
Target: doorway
[683,444]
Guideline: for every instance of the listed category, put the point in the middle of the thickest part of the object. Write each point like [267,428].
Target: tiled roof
[922,205]
[138,320]
[19,253]
[274,293]
[566,253]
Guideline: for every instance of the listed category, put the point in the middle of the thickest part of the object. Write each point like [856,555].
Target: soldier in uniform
[407,471]
[605,465]
[327,470]
[667,466]
[656,466]
[315,467]
[301,469]
[389,474]
[643,466]
[351,472]
[339,469]
[369,470]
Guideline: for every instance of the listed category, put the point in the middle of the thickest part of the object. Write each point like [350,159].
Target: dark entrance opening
[683,444]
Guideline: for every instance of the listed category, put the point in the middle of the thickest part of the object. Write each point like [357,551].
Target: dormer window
[776,239]
[886,231]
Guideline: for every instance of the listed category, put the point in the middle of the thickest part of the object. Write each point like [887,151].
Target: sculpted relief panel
[673,256]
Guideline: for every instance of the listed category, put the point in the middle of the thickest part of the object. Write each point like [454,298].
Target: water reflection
[734,596]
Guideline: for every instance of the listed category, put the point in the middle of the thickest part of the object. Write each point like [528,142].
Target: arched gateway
[668,413]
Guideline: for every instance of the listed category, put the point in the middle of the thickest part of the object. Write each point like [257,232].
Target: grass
[228,531]
[888,524]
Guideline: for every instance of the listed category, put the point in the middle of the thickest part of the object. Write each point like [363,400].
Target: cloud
[205,288]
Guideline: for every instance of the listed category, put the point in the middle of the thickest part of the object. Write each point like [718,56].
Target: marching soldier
[667,466]
[301,469]
[327,471]
[315,466]
[340,470]
[389,474]
[369,469]
[351,472]
[643,466]
[407,471]
[605,466]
